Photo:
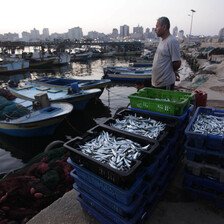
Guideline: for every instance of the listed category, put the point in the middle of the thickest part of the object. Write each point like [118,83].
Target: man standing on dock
[167,57]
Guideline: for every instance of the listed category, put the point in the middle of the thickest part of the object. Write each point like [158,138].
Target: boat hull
[79,100]
[37,123]
[61,83]
[13,66]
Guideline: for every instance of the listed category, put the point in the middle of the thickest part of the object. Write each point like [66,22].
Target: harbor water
[17,151]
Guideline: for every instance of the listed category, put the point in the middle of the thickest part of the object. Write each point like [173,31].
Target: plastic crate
[203,154]
[203,182]
[162,101]
[216,143]
[123,210]
[109,214]
[214,172]
[171,123]
[196,193]
[183,118]
[124,196]
[115,176]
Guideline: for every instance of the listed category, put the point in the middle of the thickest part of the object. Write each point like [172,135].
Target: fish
[147,127]
[117,152]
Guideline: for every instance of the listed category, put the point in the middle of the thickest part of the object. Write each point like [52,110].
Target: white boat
[33,122]
[11,66]
[79,99]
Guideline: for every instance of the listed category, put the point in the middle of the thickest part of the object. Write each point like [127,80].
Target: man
[167,57]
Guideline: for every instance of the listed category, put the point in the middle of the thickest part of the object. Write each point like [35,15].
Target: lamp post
[192,13]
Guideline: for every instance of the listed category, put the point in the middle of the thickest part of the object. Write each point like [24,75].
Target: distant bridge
[71,44]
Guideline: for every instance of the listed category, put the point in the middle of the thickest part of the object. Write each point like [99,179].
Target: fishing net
[26,192]
[11,110]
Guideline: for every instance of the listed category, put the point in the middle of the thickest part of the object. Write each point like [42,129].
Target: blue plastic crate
[151,170]
[162,155]
[109,214]
[202,182]
[203,154]
[122,195]
[197,193]
[216,143]
[124,210]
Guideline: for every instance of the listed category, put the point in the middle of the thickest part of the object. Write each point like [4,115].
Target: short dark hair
[165,21]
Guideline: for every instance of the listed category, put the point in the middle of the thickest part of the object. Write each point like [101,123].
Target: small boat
[64,83]
[62,58]
[11,66]
[81,56]
[37,59]
[30,122]
[79,99]
[142,63]
[128,74]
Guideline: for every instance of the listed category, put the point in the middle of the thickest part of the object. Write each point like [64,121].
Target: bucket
[200,98]
[75,86]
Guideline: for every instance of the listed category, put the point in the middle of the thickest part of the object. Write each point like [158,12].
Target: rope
[68,122]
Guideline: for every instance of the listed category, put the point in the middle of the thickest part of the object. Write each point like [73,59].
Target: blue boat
[79,99]
[65,83]
[127,74]
[25,121]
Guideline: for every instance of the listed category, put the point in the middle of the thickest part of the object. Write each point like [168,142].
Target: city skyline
[103,17]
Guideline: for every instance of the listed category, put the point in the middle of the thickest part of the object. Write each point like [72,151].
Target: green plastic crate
[161,101]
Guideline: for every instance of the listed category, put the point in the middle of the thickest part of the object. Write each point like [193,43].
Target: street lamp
[192,12]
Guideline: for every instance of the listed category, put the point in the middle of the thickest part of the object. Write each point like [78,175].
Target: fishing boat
[25,121]
[78,98]
[64,83]
[62,58]
[81,56]
[142,63]
[12,66]
[127,74]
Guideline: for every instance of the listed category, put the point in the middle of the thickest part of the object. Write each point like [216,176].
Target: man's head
[162,27]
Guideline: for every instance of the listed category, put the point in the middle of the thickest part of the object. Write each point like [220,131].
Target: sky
[102,16]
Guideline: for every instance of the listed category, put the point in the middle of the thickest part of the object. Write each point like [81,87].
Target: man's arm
[176,66]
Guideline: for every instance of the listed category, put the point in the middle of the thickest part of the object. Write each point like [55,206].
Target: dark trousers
[170,87]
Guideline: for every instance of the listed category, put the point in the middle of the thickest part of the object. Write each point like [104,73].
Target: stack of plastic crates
[112,196]
[204,161]
[161,101]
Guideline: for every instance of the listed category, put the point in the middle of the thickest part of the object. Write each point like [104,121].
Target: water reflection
[97,111]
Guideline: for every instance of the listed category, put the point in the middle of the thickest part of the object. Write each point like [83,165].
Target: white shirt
[167,51]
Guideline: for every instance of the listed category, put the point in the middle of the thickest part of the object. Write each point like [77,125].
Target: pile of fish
[117,152]
[142,126]
[210,124]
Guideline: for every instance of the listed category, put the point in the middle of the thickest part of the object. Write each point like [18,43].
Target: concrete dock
[174,207]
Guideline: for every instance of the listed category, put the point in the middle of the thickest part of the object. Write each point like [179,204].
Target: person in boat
[167,58]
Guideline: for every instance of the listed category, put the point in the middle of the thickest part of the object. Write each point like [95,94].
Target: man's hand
[177,76]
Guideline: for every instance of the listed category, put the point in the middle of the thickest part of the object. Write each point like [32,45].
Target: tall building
[35,34]
[45,33]
[221,35]
[175,31]
[153,33]
[75,33]
[124,31]
[115,33]
[26,36]
[11,36]
[181,34]
[147,33]
[138,32]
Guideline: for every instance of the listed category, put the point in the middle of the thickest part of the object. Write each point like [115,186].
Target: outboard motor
[13,83]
